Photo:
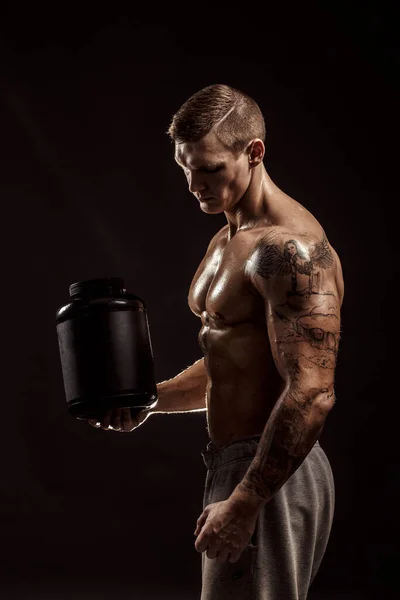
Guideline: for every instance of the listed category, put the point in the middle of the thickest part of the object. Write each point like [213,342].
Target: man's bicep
[304,338]
[303,317]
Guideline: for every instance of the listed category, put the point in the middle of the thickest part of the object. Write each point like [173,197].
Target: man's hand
[122,419]
[225,530]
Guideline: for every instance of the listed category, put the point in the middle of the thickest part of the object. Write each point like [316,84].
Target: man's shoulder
[276,235]
[277,244]
[308,241]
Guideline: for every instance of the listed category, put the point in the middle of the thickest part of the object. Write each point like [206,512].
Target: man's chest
[222,289]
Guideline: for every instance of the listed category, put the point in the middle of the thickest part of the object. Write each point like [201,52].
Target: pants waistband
[246,447]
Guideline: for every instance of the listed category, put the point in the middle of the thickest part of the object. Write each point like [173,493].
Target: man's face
[215,175]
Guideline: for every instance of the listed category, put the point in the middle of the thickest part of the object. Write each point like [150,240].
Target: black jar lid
[111,286]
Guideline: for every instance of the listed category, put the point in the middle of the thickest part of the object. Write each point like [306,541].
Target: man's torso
[243,382]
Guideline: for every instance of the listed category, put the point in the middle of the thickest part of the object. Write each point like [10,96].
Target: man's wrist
[247,499]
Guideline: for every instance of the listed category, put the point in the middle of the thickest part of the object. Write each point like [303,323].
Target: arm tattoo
[295,258]
[309,314]
[289,436]
[307,333]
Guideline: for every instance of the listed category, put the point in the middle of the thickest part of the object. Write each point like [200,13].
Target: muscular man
[268,292]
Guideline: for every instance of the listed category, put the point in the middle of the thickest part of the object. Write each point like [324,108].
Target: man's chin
[211,207]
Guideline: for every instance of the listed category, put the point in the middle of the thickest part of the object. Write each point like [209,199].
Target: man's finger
[200,522]
[224,555]
[106,420]
[116,418]
[204,540]
[203,517]
[127,423]
[235,555]
[214,550]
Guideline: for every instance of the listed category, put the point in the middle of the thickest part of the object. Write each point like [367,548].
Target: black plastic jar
[105,349]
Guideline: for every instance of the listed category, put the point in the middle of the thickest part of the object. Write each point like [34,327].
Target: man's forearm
[184,393]
[291,431]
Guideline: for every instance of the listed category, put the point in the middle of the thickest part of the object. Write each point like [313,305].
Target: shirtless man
[268,292]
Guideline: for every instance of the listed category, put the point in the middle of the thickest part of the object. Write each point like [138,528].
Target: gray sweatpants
[291,534]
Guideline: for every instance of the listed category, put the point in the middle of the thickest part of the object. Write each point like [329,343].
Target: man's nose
[195,184]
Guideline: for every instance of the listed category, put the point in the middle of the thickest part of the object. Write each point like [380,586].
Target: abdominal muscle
[243,382]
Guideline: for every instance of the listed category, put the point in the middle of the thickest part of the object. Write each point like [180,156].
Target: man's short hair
[232,115]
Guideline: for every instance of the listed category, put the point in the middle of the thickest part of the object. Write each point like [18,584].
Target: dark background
[89,189]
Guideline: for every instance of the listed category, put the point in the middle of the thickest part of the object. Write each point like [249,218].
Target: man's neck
[257,204]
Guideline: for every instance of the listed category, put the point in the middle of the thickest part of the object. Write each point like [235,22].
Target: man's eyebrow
[207,165]
[210,166]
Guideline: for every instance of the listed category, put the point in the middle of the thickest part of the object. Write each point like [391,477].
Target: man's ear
[255,151]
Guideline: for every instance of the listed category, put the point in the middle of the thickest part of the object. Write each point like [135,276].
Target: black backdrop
[89,189]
